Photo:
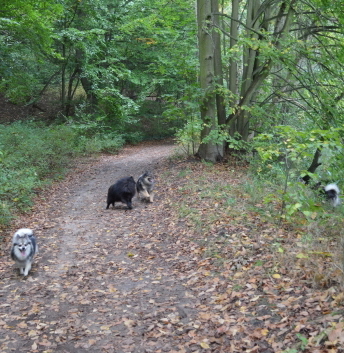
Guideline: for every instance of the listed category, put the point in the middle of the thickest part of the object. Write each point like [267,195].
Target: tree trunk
[255,70]
[251,63]
[209,149]
[233,66]
[220,105]
[86,83]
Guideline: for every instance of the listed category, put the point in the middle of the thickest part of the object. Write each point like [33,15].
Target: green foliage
[285,154]
[119,53]
[26,145]
[189,136]
[126,53]
[32,154]
[150,122]
[220,134]
[293,149]
[19,78]
[118,110]
[6,215]
[26,34]
[235,143]
[29,155]
[29,21]
[86,123]
[109,143]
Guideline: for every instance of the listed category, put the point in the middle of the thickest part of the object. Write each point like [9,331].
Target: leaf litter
[192,272]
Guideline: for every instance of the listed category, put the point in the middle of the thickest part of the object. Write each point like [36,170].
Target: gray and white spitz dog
[24,248]
[144,186]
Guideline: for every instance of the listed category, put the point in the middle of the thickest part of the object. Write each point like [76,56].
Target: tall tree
[266,25]
[210,149]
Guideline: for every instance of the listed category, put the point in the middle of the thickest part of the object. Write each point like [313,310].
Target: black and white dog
[144,187]
[330,191]
[332,194]
[24,248]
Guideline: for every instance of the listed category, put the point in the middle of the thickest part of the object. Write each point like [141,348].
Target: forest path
[197,271]
[104,280]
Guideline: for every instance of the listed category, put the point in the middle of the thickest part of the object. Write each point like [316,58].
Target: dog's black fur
[122,191]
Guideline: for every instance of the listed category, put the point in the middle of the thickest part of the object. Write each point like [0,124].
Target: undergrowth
[32,154]
[306,242]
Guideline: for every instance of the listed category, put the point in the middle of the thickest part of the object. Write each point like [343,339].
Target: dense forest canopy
[123,55]
[218,72]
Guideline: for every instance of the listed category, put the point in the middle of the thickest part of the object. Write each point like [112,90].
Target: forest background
[261,81]
[256,86]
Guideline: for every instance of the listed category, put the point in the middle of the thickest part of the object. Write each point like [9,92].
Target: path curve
[104,280]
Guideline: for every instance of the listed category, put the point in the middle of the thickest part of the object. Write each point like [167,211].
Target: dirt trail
[104,280]
[197,271]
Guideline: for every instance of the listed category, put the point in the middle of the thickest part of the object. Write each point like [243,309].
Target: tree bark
[233,66]
[209,150]
[220,105]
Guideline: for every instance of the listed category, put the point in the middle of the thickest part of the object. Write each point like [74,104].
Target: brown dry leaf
[22,325]
[336,335]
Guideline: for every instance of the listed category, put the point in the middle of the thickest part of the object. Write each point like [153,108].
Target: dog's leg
[151,197]
[21,270]
[27,268]
[145,194]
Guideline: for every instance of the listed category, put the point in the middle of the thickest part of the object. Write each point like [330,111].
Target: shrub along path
[192,272]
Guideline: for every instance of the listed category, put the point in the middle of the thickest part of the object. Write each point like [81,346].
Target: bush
[189,137]
[42,148]
[110,143]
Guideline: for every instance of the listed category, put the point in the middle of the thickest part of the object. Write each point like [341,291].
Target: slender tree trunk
[63,77]
[71,90]
[251,62]
[255,70]
[220,105]
[233,66]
